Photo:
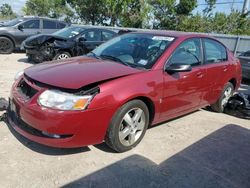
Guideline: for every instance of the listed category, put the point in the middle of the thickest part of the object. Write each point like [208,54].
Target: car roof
[90,27]
[176,34]
[37,17]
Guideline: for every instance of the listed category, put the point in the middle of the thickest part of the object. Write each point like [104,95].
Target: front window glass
[12,22]
[189,52]
[69,32]
[135,50]
[31,24]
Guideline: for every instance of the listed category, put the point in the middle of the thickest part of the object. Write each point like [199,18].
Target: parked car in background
[68,42]
[245,64]
[116,91]
[14,32]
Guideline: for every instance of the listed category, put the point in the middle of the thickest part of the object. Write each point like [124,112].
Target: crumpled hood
[39,39]
[78,72]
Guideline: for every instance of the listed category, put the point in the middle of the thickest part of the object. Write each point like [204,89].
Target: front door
[183,90]
[92,39]
[30,27]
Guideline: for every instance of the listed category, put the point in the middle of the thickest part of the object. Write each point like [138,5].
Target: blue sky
[18,4]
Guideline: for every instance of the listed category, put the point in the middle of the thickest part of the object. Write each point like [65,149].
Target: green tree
[49,8]
[167,14]
[6,11]
[89,11]
[163,12]
[135,14]
[210,6]
[114,10]
[186,7]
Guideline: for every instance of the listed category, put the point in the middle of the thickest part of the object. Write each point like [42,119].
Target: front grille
[26,90]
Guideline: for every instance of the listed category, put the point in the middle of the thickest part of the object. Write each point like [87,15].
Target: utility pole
[245,6]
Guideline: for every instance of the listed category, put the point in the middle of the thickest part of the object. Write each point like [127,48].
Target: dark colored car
[245,64]
[68,42]
[14,32]
[114,93]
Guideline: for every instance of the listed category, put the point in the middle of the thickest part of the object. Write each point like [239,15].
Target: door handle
[225,68]
[38,32]
[200,75]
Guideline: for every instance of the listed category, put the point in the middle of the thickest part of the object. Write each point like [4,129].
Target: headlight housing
[18,75]
[63,101]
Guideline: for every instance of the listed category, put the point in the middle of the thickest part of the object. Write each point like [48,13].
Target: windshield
[135,50]
[12,22]
[69,32]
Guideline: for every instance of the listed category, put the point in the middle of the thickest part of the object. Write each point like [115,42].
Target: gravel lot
[202,149]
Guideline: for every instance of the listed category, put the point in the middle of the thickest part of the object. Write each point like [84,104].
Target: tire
[62,55]
[122,136]
[6,45]
[222,101]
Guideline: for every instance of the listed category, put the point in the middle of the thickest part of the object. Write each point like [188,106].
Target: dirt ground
[202,149]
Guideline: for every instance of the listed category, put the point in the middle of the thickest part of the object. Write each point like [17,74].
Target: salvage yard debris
[239,106]
[3,104]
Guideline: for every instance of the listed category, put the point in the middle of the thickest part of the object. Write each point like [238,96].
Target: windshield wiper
[114,59]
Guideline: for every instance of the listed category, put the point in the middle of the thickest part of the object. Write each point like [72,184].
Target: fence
[236,44]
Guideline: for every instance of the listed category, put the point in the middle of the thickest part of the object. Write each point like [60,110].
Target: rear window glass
[214,51]
[48,24]
[60,25]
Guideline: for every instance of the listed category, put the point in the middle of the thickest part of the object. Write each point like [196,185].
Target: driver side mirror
[178,67]
[82,39]
[20,27]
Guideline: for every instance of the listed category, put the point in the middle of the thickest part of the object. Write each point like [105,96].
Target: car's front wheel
[6,45]
[62,55]
[225,96]
[128,126]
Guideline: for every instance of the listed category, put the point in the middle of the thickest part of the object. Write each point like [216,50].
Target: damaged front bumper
[56,128]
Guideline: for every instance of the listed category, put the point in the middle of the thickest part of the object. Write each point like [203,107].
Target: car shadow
[42,148]
[220,159]
[24,60]
[104,147]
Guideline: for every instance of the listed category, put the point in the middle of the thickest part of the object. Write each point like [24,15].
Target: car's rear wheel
[128,126]
[62,55]
[6,45]
[225,96]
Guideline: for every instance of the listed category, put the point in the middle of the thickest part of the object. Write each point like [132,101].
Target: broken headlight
[18,75]
[64,101]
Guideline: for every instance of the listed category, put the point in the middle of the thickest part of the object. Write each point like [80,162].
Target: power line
[223,3]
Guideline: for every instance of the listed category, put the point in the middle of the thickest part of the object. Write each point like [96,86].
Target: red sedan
[127,84]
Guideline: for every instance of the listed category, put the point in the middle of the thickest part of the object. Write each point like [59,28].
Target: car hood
[36,40]
[78,72]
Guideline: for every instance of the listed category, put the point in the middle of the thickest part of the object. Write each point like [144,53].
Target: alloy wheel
[227,95]
[62,56]
[4,45]
[132,126]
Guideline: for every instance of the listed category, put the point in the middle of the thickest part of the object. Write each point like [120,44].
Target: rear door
[49,26]
[183,90]
[218,68]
